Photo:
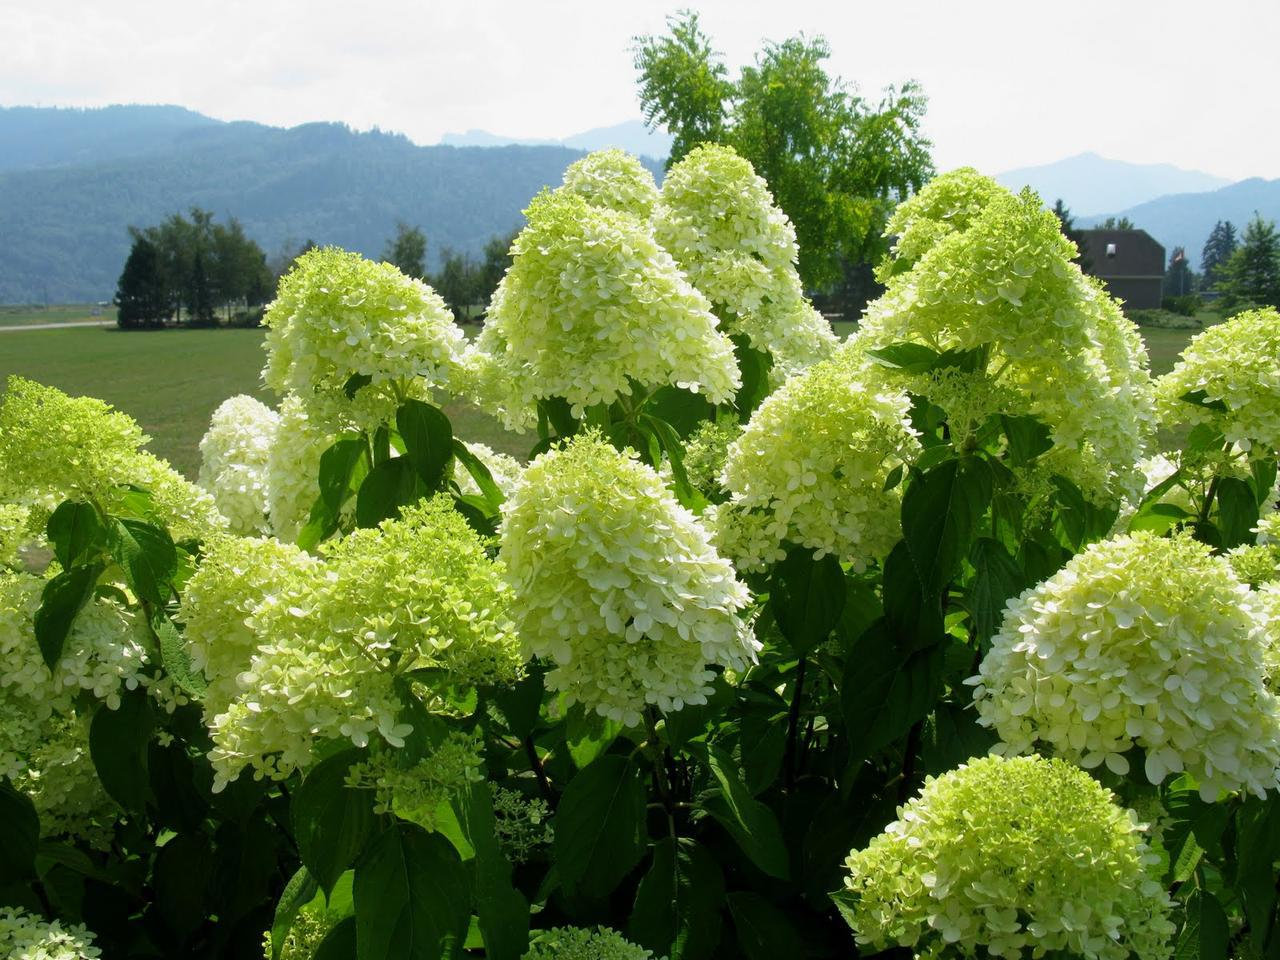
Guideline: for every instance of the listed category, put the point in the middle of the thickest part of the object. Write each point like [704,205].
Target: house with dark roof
[1129,262]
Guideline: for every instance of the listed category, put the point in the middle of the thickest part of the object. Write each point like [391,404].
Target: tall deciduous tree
[141,294]
[1217,251]
[1252,275]
[836,163]
[457,282]
[408,250]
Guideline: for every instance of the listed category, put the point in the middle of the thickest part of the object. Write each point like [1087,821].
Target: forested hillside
[66,226]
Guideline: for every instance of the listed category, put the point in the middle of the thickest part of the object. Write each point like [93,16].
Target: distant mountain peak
[1091,184]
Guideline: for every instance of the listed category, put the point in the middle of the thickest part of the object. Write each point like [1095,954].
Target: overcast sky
[1010,82]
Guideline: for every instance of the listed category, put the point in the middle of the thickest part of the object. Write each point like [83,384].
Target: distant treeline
[191,270]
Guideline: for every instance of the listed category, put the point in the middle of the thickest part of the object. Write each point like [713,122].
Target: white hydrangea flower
[1233,364]
[1013,858]
[339,319]
[811,466]
[60,778]
[719,221]
[618,584]
[1138,641]
[233,461]
[1056,346]
[416,593]
[590,306]
[238,578]
[24,936]
[614,179]
[293,468]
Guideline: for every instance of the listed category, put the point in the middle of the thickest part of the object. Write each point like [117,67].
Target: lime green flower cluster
[293,467]
[24,936]
[310,927]
[1231,365]
[590,306]
[812,464]
[1259,563]
[618,584]
[17,530]
[1010,858]
[1052,343]
[416,791]
[233,461]
[1143,641]
[417,593]
[583,943]
[705,452]
[613,179]
[237,579]
[520,825]
[352,337]
[58,447]
[945,205]
[719,221]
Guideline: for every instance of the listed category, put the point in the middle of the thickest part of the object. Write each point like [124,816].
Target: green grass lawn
[171,380]
[24,316]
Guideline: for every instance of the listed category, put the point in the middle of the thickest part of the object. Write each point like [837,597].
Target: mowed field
[171,380]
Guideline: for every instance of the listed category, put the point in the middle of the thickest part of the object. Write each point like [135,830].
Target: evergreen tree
[458,282]
[1252,275]
[1116,223]
[141,293]
[1217,251]
[408,251]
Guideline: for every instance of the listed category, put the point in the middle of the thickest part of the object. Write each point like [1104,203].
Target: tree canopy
[836,163]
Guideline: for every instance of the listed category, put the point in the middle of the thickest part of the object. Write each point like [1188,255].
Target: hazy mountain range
[632,136]
[73,181]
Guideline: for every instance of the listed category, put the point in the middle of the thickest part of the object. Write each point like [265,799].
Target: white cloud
[1011,82]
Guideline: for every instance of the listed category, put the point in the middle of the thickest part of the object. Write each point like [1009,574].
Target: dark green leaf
[298,892]
[680,408]
[885,691]
[389,486]
[940,514]
[147,555]
[503,911]
[1258,849]
[183,870]
[118,745]
[61,601]
[75,533]
[176,660]
[479,473]
[339,943]
[751,823]
[1201,399]
[331,821]
[521,702]
[588,735]
[19,834]
[906,356]
[428,441]
[1028,438]
[677,908]
[556,411]
[670,443]
[412,897]
[1205,935]
[764,932]
[754,366]
[338,465]
[997,577]
[1264,482]
[807,596]
[1237,511]
[355,383]
[600,826]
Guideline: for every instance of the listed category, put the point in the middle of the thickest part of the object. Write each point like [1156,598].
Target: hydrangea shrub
[769,646]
